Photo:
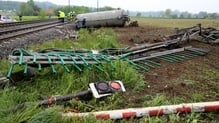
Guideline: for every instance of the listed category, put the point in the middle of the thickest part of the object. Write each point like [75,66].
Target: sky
[193,6]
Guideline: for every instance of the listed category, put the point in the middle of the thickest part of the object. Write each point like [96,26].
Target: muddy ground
[192,80]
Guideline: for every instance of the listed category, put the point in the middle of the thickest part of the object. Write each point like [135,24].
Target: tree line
[31,8]
[168,13]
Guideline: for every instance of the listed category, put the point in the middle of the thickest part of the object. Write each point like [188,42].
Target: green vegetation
[30,18]
[29,9]
[41,9]
[46,83]
[172,23]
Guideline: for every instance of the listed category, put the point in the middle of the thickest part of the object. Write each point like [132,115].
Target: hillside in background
[15,6]
[45,5]
[9,5]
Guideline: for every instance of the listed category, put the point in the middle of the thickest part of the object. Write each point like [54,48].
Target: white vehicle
[6,19]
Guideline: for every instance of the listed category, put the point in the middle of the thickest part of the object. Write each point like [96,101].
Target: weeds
[46,83]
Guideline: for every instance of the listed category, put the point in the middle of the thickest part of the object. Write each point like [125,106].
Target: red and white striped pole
[151,111]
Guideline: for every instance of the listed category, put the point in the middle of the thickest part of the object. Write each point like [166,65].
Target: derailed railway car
[113,18]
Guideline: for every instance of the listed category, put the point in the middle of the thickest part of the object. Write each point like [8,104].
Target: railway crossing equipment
[140,59]
[150,111]
[97,89]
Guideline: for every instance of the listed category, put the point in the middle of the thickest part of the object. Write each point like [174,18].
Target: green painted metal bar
[61,59]
[168,59]
[124,56]
[181,56]
[75,64]
[66,68]
[94,58]
[104,58]
[136,65]
[85,62]
[63,63]
[187,55]
[98,62]
[108,60]
[152,62]
[147,64]
[51,64]
[144,65]
[99,68]
[175,57]
[34,58]
[190,53]
[194,53]
[10,70]
[21,57]
[197,52]
[25,68]
[39,67]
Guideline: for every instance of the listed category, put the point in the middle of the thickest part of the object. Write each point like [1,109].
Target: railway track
[2,25]
[12,30]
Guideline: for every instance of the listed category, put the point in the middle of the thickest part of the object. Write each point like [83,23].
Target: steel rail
[26,26]
[3,25]
[29,29]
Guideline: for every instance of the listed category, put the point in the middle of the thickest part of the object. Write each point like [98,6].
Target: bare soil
[194,80]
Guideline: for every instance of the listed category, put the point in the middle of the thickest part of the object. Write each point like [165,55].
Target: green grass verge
[30,18]
[45,83]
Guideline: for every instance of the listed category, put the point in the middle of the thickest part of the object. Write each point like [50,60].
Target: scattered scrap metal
[141,57]
[133,24]
[208,35]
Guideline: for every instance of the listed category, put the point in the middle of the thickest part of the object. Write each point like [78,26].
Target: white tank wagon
[113,18]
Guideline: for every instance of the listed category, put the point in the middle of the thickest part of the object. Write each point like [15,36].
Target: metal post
[68,5]
[97,5]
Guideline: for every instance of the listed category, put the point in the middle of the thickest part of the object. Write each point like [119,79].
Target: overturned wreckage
[111,18]
[140,57]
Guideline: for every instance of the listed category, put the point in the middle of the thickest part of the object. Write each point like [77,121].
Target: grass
[30,18]
[96,40]
[46,83]
[180,23]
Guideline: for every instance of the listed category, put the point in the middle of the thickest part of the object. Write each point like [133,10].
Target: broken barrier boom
[151,111]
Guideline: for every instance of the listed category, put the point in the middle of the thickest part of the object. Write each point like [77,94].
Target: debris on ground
[133,24]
